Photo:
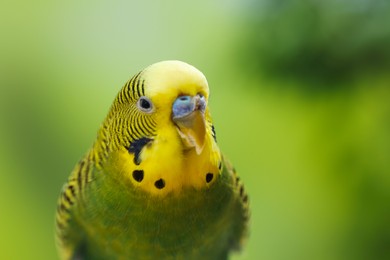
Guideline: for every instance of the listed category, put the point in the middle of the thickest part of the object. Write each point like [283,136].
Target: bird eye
[145,105]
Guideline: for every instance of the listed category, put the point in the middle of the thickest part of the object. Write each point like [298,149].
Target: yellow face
[179,94]
[174,147]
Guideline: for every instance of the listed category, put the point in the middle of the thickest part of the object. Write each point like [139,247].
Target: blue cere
[183,106]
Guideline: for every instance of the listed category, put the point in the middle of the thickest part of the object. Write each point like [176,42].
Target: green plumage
[123,223]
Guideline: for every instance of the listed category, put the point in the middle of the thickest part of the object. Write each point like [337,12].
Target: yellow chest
[164,166]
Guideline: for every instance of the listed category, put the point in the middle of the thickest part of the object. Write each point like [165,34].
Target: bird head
[161,117]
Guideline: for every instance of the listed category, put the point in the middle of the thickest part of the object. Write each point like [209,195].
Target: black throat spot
[213,133]
[136,148]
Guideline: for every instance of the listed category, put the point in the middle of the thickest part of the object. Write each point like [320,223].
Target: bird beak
[188,115]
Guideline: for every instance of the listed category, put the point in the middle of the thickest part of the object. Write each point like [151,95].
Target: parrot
[154,184]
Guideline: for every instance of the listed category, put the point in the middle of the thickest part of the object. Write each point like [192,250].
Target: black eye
[145,105]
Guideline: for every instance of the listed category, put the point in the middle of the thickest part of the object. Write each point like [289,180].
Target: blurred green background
[300,95]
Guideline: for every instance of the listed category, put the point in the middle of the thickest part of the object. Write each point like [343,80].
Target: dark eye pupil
[145,104]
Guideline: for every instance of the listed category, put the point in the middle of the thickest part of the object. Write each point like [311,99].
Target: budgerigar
[154,185]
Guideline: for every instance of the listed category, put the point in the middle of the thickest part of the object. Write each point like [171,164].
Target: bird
[154,184]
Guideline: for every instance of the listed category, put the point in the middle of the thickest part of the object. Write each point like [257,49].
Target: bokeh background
[300,95]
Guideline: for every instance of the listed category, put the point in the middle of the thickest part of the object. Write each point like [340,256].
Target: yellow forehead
[172,79]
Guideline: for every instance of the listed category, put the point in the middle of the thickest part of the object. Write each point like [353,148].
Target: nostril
[184,98]
[202,104]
